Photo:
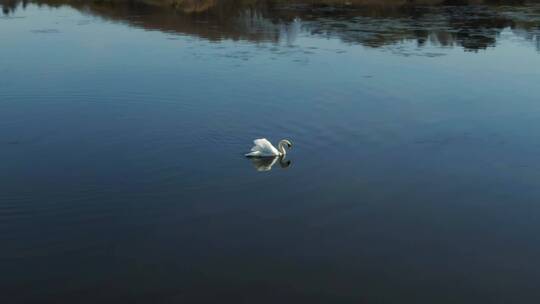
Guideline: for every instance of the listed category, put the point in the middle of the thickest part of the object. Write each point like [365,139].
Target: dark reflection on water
[414,179]
[472,27]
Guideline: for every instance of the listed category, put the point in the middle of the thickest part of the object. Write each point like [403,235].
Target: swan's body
[263,148]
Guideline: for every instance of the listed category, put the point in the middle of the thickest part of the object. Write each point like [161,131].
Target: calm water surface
[414,177]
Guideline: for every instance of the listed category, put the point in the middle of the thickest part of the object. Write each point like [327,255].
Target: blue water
[414,176]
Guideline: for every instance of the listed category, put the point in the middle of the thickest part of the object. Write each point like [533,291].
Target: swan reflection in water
[266,163]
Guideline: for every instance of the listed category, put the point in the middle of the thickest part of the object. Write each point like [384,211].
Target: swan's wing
[254,154]
[263,147]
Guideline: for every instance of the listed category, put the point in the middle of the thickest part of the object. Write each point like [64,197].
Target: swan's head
[286,143]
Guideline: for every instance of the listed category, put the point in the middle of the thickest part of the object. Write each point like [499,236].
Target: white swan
[263,148]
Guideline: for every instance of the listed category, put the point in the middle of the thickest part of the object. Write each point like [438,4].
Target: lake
[414,175]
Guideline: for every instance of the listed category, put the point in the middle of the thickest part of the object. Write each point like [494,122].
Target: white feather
[263,148]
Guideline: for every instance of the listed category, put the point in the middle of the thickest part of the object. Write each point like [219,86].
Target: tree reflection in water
[472,27]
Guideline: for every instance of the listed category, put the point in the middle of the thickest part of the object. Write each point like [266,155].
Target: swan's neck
[281,149]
